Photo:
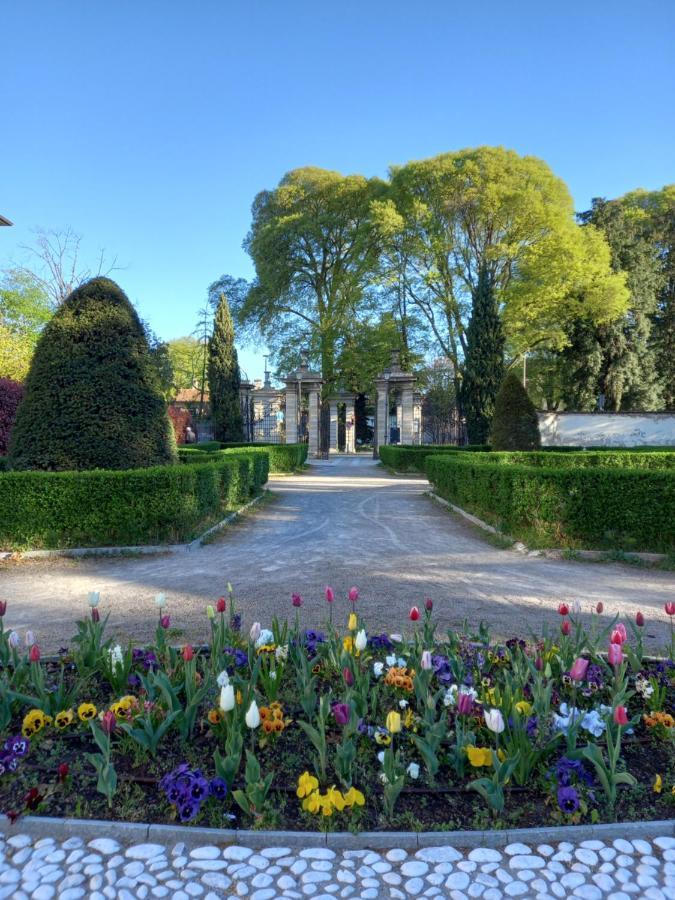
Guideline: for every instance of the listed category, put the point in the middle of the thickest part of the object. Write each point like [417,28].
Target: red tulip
[348,677]
[221,605]
[296,600]
[578,670]
[600,607]
[428,604]
[639,619]
[353,594]
[330,594]
[619,634]
[414,614]
[34,654]
[615,655]
[563,609]
[108,722]
[33,798]
[62,772]
[620,716]
[670,608]
[95,614]
[3,608]
[188,652]
[165,621]
[565,626]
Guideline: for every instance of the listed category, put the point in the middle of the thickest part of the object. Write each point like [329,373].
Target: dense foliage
[515,425]
[571,506]
[11,394]
[342,728]
[224,377]
[92,397]
[139,506]
[282,457]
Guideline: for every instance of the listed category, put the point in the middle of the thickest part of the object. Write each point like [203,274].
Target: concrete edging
[136,833]
[553,553]
[142,549]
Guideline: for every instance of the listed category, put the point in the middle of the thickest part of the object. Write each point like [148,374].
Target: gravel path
[104,868]
[340,523]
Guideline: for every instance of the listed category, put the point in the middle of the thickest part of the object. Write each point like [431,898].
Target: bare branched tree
[56,266]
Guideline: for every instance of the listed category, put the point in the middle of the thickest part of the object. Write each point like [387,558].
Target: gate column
[313,424]
[291,411]
[333,442]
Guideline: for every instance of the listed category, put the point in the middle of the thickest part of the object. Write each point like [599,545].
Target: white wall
[607,429]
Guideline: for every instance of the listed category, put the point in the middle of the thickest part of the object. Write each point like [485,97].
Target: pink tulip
[296,600]
[670,608]
[353,594]
[429,604]
[108,722]
[342,713]
[3,608]
[615,655]
[95,615]
[619,635]
[620,715]
[426,660]
[414,614]
[330,595]
[348,677]
[600,607]
[34,654]
[164,621]
[578,670]
[188,652]
[539,664]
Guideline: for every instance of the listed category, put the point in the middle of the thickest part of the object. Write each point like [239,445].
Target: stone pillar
[313,424]
[407,414]
[382,415]
[292,413]
[350,433]
[333,443]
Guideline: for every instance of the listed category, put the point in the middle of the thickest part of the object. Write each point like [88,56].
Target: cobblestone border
[132,832]
[143,549]
[519,547]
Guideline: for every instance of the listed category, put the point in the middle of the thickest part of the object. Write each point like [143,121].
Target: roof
[4,221]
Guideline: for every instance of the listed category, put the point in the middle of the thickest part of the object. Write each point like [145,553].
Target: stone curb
[143,549]
[553,553]
[136,833]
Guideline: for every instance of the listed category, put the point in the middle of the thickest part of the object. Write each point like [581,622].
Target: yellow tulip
[658,785]
[352,622]
[393,722]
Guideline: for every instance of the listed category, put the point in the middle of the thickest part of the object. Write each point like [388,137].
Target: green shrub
[515,425]
[118,508]
[586,459]
[92,398]
[282,457]
[586,507]
[410,458]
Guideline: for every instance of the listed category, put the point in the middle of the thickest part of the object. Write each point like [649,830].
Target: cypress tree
[224,377]
[483,362]
[515,425]
[92,398]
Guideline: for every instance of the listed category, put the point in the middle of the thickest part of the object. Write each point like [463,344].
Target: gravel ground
[105,868]
[341,523]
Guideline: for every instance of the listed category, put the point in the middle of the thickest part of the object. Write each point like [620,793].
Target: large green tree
[314,253]
[448,216]
[92,398]
[224,377]
[24,311]
[483,361]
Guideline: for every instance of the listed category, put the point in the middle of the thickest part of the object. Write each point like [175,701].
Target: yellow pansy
[306,784]
[64,718]
[335,797]
[86,711]
[657,787]
[382,738]
[34,721]
[479,756]
[354,797]
[524,708]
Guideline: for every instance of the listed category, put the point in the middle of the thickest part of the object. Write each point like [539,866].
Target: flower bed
[286,728]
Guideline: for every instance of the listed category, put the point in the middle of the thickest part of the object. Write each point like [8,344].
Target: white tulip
[494,720]
[361,641]
[253,715]
[30,639]
[160,601]
[94,598]
[254,633]
[14,640]
[227,699]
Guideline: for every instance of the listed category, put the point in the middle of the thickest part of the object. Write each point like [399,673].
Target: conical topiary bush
[515,425]
[91,396]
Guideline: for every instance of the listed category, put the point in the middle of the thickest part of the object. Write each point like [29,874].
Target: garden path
[343,522]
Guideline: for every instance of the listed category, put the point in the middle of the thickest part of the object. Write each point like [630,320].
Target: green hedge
[407,458]
[582,460]
[282,457]
[592,507]
[127,507]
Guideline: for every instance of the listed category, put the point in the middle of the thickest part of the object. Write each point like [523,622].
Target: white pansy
[391,659]
[380,757]
[223,679]
[378,668]
[403,704]
[265,637]
[413,770]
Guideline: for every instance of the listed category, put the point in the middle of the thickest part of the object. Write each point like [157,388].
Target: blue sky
[148,127]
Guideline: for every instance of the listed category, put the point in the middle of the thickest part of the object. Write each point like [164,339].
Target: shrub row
[582,460]
[282,457]
[593,507]
[407,458]
[126,507]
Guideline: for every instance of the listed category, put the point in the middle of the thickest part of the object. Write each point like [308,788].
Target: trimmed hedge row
[582,460]
[594,507]
[282,457]
[407,458]
[126,507]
